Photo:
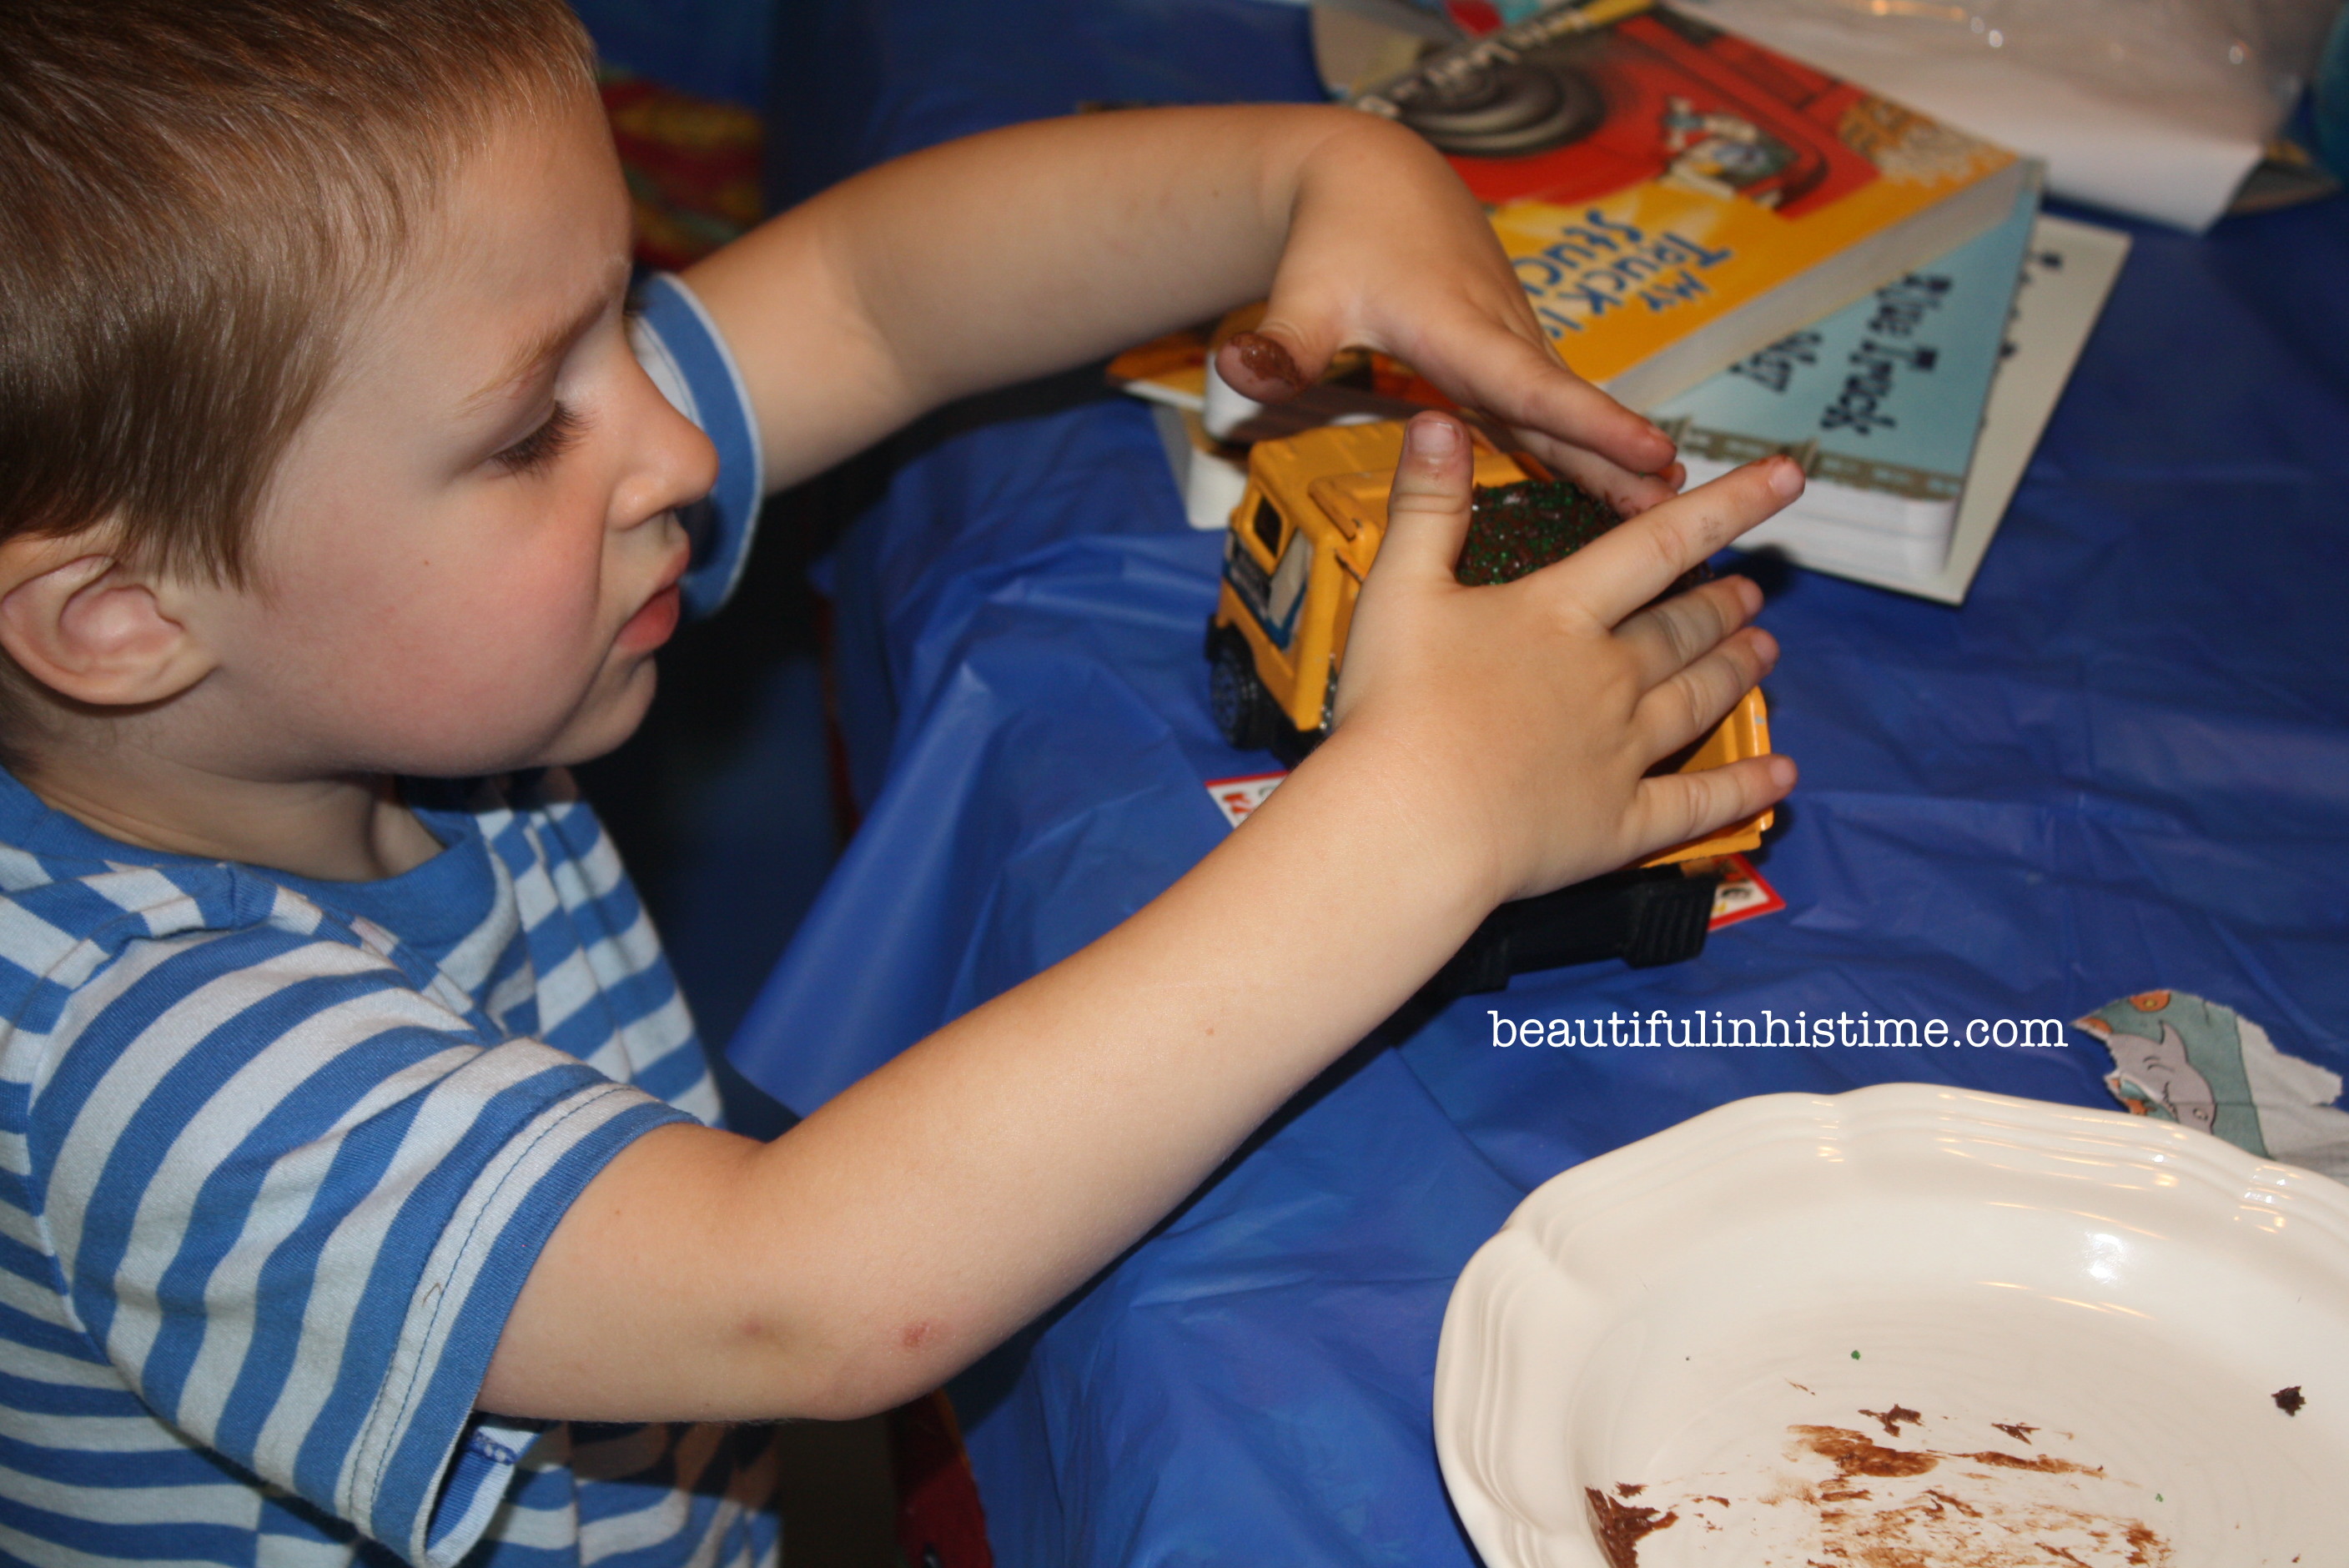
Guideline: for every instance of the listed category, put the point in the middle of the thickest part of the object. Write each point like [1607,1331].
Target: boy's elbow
[873,1370]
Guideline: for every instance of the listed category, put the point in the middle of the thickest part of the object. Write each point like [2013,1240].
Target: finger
[1686,705]
[1665,639]
[1427,513]
[1274,362]
[1522,383]
[1676,807]
[1628,494]
[1625,567]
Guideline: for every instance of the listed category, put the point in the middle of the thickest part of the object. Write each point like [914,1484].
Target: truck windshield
[1268,526]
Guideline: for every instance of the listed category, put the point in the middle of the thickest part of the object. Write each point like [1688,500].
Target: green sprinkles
[1517,529]
[1855,1355]
[1520,528]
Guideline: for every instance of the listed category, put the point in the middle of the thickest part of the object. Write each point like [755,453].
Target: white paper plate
[2068,1327]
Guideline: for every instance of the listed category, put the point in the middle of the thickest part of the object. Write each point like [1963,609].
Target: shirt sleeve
[293,1200]
[678,346]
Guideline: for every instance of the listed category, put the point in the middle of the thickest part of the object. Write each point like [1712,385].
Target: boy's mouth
[651,627]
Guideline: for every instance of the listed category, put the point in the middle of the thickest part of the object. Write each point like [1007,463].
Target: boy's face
[470,554]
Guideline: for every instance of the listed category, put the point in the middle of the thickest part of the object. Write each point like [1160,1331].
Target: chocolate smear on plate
[1855,1453]
[1619,1526]
[2041,1463]
[1888,1507]
[2289,1400]
[1894,1417]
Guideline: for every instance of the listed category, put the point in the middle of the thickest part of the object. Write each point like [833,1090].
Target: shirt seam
[367,1492]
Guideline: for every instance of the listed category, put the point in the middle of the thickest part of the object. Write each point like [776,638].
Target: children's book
[1913,412]
[1675,198]
[1880,403]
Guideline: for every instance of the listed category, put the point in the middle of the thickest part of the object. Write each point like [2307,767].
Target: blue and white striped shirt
[277,1155]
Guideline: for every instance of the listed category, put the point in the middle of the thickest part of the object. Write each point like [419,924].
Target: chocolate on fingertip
[1264,358]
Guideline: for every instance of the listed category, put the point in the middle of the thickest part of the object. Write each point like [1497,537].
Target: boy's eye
[538,449]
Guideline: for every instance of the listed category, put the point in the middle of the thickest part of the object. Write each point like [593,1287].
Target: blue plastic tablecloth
[2122,765]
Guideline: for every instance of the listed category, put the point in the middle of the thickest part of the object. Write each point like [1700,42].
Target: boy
[349,1164]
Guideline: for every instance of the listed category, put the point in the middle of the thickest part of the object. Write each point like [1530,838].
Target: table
[2122,765]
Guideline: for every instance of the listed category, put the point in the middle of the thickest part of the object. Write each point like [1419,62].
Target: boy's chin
[607,726]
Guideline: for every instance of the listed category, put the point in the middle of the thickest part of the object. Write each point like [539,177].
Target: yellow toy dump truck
[1301,540]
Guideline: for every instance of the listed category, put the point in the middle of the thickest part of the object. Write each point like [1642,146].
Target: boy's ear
[90,629]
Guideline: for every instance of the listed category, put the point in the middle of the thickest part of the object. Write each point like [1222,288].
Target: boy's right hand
[1524,717]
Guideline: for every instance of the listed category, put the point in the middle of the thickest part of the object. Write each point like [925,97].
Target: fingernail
[1785,478]
[1749,593]
[1430,435]
[1265,358]
[1782,772]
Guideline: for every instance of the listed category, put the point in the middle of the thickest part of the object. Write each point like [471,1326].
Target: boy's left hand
[1387,249]
[1028,250]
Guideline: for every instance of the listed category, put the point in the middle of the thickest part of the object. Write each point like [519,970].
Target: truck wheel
[1236,698]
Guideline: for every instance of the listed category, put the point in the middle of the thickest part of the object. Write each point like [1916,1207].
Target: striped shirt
[277,1155]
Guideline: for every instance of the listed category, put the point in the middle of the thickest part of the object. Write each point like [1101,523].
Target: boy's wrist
[1398,805]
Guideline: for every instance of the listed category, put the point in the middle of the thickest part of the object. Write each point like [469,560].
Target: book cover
[1881,402]
[2068,270]
[1674,197]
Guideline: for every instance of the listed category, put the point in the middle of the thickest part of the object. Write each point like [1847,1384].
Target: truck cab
[1301,542]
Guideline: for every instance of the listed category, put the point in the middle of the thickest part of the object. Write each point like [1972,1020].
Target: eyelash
[537,451]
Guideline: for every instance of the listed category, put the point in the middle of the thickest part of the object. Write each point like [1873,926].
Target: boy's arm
[1494,743]
[1024,251]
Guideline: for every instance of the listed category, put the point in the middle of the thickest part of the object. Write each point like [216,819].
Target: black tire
[1288,743]
[1242,709]
[1669,921]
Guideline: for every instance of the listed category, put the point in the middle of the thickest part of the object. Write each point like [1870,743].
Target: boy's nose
[676,465]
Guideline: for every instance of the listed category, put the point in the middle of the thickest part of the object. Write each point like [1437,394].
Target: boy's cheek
[510,707]
[463,636]
[538,597]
